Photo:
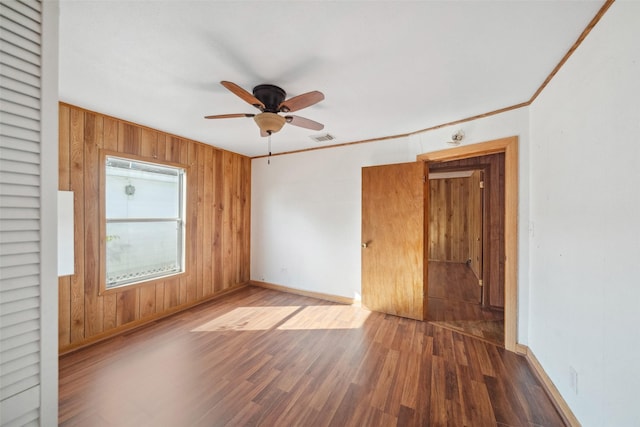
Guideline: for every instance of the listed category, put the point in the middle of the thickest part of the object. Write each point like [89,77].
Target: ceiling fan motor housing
[271,96]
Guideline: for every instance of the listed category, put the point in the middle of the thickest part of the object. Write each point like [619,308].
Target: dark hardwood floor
[454,303]
[264,358]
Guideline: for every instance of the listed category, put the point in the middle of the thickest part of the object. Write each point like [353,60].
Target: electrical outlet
[573,379]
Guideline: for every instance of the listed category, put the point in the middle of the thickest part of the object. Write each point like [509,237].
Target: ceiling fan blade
[301,101]
[229,116]
[246,96]
[304,123]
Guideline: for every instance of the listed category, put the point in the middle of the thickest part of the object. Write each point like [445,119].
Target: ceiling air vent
[323,138]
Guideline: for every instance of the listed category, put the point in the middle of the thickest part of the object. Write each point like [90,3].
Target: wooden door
[393,239]
[476,218]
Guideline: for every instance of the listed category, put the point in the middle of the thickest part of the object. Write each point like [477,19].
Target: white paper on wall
[65,233]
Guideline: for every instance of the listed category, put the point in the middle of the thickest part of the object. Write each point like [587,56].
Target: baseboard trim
[317,295]
[128,327]
[522,349]
[556,398]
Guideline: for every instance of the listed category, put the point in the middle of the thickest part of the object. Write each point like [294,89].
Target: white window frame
[105,286]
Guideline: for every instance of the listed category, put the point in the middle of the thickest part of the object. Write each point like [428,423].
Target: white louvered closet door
[20,234]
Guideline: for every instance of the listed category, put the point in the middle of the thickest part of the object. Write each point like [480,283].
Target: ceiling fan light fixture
[269,122]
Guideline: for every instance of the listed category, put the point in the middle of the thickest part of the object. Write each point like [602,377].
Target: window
[144,221]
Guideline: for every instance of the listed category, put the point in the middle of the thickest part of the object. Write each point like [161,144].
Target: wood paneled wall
[455,220]
[449,216]
[218,217]
[494,211]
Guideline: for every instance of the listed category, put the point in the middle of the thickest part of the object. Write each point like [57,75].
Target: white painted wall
[585,211]
[306,207]
[305,216]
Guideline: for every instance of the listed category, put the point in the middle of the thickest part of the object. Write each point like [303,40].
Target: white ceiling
[385,67]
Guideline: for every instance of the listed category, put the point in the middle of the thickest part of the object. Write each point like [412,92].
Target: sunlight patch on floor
[287,318]
[248,319]
[327,317]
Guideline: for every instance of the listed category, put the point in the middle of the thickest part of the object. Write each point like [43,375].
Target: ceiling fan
[270,100]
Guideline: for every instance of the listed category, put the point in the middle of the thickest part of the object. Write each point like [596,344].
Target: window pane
[138,251]
[141,190]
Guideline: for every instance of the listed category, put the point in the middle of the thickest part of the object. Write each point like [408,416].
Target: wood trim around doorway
[508,146]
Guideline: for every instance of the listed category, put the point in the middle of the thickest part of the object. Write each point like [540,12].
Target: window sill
[154,281]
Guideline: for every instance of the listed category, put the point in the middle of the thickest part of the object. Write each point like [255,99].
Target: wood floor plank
[259,357]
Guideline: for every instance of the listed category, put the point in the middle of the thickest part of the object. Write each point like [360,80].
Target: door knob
[364,245]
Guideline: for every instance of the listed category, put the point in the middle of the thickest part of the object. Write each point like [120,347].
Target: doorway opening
[465,246]
[508,258]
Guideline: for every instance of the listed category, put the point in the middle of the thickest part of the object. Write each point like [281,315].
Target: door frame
[508,146]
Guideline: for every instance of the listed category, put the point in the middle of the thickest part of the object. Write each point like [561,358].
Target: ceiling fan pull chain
[269,158]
